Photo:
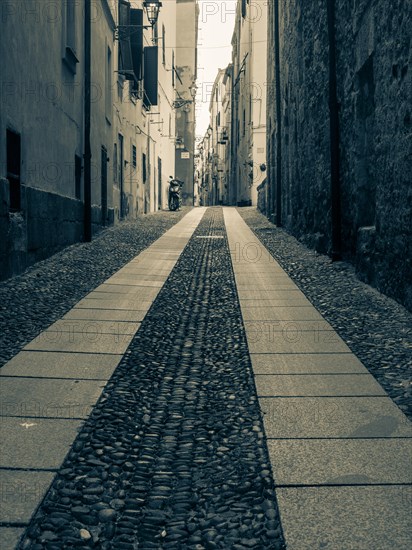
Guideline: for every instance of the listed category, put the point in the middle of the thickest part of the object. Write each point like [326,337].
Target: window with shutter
[136,42]
[150,76]
[125,60]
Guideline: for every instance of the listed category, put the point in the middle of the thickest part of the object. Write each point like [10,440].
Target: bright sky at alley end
[216,24]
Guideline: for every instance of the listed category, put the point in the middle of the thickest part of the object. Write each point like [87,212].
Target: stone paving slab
[126,281]
[142,277]
[265,268]
[144,273]
[48,364]
[317,385]
[293,294]
[80,342]
[126,315]
[333,417]
[130,281]
[145,294]
[261,274]
[143,283]
[138,281]
[262,302]
[264,291]
[289,328]
[264,278]
[167,261]
[170,243]
[36,444]
[306,363]
[20,492]
[93,328]
[147,260]
[117,289]
[9,537]
[346,518]
[48,397]
[253,312]
[341,461]
[164,252]
[151,262]
[270,286]
[297,342]
[132,304]
[143,267]
[266,281]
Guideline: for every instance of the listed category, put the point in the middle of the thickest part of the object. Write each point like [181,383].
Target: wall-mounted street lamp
[152,10]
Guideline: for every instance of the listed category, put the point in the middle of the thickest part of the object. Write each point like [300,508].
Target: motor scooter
[175,200]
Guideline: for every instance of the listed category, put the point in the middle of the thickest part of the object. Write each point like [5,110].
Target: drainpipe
[334,137]
[278,122]
[87,110]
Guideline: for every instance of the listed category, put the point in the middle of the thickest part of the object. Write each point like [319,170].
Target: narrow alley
[195,398]
[205,275]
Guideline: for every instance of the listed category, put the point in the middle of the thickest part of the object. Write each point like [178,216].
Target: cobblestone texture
[32,301]
[376,328]
[173,455]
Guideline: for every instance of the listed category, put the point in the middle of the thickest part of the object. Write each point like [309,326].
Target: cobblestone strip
[173,455]
[375,327]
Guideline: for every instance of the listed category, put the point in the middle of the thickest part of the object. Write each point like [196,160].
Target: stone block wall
[374,89]
[52,222]
[47,223]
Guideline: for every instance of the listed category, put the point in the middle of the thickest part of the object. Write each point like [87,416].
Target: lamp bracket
[178,103]
[123,32]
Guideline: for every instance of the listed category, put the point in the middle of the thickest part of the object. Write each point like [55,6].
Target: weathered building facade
[219,131]
[82,148]
[235,164]
[214,152]
[41,127]
[185,64]
[339,133]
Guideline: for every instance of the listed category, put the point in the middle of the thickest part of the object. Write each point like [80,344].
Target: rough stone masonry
[373,88]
